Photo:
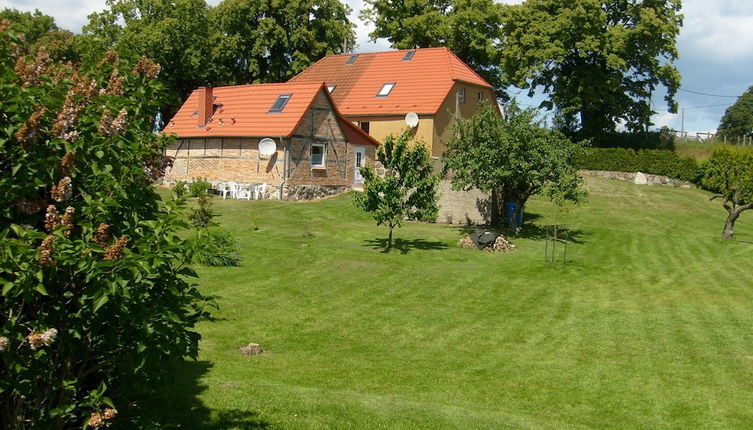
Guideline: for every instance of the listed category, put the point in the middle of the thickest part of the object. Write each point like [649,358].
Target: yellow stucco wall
[382,126]
[446,115]
[433,130]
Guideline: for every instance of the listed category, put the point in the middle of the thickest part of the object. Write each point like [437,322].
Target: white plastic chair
[259,191]
[243,193]
[224,189]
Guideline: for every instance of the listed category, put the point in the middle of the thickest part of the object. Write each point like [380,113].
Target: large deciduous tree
[599,61]
[738,119]
[470,28]
[408,189]
[39,29]
[729,172]
[273,41]
[512,157]
[236,42]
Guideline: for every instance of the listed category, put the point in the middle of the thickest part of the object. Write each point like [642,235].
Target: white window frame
[323,165]
[386,89]
[480,96]
[461,95]
[331,88]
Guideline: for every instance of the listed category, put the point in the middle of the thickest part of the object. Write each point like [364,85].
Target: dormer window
[385,90]
[352,59]
[280,103]
[409,55]
[331,88]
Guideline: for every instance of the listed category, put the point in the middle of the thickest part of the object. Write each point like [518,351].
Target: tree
[512,157]
[738,119]
[469,28]
[408,189]
[273,41]
[729,174]
[94,276]
[599,61]
[39,29]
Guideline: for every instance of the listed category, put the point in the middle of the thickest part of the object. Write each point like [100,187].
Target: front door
[360,161]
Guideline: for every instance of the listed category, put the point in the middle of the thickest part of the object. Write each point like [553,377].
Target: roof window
[280,103]
[331,88]
[409,55]
[385,90]
[352,59]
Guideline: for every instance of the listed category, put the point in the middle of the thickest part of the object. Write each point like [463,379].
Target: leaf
[103,298]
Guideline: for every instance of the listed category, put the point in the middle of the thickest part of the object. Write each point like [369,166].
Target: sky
[715,44]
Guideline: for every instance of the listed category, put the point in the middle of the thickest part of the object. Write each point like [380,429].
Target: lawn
[650,325]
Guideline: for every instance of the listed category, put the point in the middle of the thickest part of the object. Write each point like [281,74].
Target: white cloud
[719,30]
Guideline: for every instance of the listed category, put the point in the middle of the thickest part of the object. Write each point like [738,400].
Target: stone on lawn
[641,178]
[251,349]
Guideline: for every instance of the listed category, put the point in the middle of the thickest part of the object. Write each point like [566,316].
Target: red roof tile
[244,110]
[421,84]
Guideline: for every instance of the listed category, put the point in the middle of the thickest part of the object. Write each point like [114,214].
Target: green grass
[649,326]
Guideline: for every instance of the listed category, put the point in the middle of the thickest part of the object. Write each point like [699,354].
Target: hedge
[653,161]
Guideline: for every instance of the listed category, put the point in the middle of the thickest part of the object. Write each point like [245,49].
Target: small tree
[408,188]
[513,157]
[729,173]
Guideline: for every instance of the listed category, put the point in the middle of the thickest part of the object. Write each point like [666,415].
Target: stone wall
[461,207]
[310,192]
[638,178]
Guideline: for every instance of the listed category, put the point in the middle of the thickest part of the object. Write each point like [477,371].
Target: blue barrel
[510,210]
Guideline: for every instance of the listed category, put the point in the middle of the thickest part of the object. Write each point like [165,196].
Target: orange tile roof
[421,84]
[244,110]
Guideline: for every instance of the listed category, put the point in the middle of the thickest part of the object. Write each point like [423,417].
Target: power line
[706,94]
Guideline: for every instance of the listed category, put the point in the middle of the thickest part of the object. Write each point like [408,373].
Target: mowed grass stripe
[648,326]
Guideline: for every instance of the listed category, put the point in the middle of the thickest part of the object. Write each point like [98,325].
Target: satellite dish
[411,119]
[267,147]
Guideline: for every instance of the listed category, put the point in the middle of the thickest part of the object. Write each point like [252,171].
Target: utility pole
[682,132]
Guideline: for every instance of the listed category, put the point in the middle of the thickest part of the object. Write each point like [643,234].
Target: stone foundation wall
[638,178]
[460,207]
[310,192]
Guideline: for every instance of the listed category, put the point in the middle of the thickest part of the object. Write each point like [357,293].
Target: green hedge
[653,161]
[639,140]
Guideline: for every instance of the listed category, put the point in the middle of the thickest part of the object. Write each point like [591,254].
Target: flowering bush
[95,301]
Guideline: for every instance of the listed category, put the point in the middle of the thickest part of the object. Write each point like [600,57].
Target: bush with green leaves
[653,161]
[408,189]
[96,299]
[180,189]
[199,187]
[202,216]
[729,174]
[216,247]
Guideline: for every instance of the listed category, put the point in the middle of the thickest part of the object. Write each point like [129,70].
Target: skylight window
[280,103]
[331,88]
[409,55]
[386,88]
[352,59]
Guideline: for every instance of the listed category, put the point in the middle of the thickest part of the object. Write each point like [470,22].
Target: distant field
[649,326]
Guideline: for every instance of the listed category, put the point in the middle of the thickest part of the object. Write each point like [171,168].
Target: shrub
[639,140]
[203,215]
[199,187]
[653,161]
[180,189]
[95,302]
[216,247]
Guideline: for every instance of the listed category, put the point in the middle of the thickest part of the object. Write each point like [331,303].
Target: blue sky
[716,52]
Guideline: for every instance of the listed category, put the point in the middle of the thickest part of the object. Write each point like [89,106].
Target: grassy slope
[649,326]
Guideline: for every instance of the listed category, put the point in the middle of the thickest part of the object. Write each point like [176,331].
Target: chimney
[206,105]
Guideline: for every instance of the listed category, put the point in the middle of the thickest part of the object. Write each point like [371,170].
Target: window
[480,96]
[409,55]
[280,103]
[331,88]
[386,88]
[364,125]
[461,95]
[318,155]
[352,59]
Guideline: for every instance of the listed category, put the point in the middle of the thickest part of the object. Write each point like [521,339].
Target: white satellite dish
[411,119]
[267,147]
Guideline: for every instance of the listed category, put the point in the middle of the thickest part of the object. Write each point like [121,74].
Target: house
[376,90]
[309,149]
